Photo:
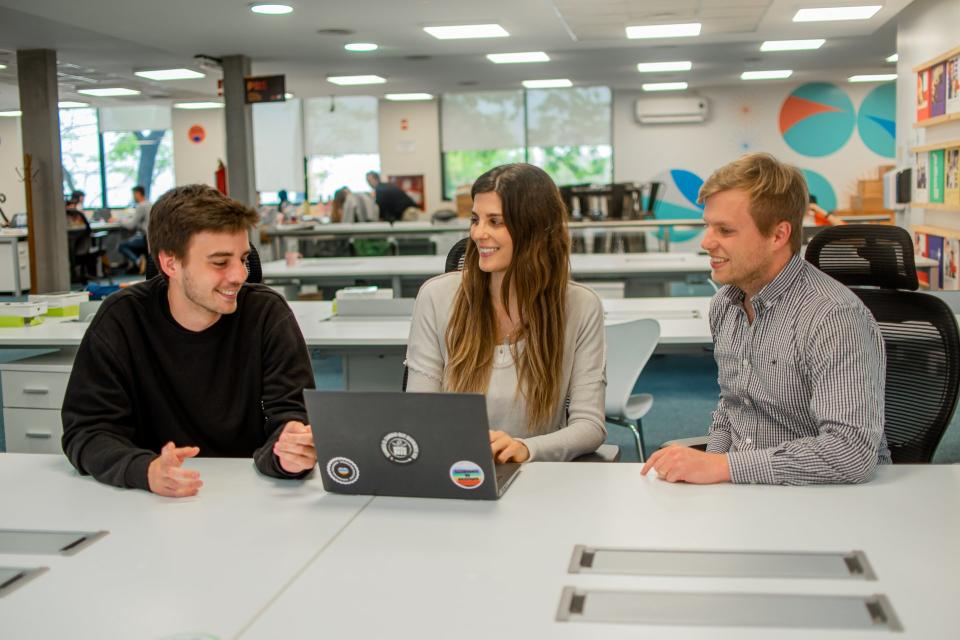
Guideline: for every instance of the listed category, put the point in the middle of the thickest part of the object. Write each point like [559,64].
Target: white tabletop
[682,321]
[414,568]
[252,557]
[203,564]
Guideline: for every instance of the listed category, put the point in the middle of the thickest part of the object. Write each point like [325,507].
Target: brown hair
[184,211]
[538,274]
[778,192]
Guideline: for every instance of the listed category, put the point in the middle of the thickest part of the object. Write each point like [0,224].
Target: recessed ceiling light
[408,97]
[523,56]
[792,45]
[10,114]
[825,14]
[361,46]
[2,67]
[271,9]
[556,83]
[352,80]
[766,75]
[456,32]
[69,104]
[198,105]
[875,77]
[664,86]
[664,30]
[170,74]
[109,93]
[893,58]
[655,67]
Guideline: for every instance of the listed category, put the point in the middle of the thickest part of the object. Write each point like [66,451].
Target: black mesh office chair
[254,270]
[919,331]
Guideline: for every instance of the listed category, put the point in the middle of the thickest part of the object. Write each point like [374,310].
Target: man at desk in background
[134,248]
[392,200]
[800,359]
[191,362]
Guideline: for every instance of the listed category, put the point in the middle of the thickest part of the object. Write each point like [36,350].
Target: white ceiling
[101,42]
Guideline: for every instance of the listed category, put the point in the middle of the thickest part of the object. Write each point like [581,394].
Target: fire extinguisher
[221,177]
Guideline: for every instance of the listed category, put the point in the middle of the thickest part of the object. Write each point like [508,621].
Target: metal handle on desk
[37,390]
[39,434]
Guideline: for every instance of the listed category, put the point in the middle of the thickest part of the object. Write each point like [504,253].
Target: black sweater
[141,380]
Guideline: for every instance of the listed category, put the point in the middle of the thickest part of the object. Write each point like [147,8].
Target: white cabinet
[33,391]
[14,265]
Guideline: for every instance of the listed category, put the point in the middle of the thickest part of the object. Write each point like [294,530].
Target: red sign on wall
[196,133]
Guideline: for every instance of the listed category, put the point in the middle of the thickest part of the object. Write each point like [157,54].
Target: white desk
[637,269]
[251,557]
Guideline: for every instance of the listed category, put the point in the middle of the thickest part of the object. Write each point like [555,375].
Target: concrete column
[238,118]
[40,125]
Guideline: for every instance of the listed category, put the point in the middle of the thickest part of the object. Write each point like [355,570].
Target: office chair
[629,347]
[919,331]
[254,270]
[454,262]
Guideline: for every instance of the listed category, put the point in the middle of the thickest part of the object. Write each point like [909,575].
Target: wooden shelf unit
[946,144]
[935,206]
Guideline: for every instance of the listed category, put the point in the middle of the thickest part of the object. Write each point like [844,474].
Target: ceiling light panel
[664,86]
[777,74]
[360,47]
[111,92]
[657,67]
[873,77]
[684,30]
[408,97]
[460,32]
[355,80]
[266,9]
[170,74]
[198,105]
[516,58]
[828,14]
[792,45]
[556,83]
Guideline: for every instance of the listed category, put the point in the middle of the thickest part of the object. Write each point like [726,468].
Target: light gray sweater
[576,429]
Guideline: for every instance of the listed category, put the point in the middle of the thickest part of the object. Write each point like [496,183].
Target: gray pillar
[239,129]
[40,125]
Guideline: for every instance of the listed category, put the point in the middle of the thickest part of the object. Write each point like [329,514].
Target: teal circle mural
[820,187]
[678,200]
[877,120]
[817,119]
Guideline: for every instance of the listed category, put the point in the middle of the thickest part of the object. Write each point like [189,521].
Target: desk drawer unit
[34,388]
[23,258]
[32,430]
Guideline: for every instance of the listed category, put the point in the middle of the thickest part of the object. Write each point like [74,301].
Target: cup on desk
[292,258]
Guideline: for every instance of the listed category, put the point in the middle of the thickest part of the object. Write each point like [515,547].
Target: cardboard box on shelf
[870,188]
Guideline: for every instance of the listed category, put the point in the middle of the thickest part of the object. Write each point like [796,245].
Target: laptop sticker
[399,447]
[343,470]
[466,474]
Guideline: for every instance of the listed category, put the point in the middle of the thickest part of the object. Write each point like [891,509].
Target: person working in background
[134,248]
[353,207]
[513,326]
[75,201]
[392,200]
[192,362]
[800,359]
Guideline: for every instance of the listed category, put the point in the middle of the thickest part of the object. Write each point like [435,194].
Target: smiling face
[204,285]
[740,254]
[488,231]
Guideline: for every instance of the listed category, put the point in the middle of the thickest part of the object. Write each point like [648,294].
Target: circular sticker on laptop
[399,447]
[466,474]
[343,470]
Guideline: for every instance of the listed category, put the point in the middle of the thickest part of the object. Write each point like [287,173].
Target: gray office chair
[629,347]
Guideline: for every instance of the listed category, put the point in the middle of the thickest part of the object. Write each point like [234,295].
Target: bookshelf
[935,206]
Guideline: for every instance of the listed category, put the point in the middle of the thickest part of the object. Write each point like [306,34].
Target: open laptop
[421,445]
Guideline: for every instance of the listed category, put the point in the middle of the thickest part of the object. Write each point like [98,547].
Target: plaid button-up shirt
[801,388]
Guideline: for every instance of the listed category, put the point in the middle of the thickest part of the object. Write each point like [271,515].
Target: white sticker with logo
[343,470]
[466,474]
[399,447]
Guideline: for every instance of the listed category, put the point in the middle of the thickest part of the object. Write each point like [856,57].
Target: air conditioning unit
[671,110]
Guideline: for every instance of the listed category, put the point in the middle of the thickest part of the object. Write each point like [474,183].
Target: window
[138,150]
[80,155]
[479,131]
[564,131]
[342,144]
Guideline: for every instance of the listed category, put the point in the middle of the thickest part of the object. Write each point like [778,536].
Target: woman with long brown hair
[513,326]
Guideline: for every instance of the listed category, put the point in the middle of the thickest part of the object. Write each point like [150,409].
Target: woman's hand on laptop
[294,448]
[507,449]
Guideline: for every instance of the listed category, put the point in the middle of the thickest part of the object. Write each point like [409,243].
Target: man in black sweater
[391,199]
[192,362]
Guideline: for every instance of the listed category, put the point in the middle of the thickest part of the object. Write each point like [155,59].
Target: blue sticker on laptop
[399,447]
[343,470]
[466,474]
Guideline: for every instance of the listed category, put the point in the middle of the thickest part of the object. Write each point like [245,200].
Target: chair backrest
[871,255]
[254,270]
[456,256]
[629,347]
[919,332]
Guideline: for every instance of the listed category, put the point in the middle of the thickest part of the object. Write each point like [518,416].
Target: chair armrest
[700,442]
[604,453]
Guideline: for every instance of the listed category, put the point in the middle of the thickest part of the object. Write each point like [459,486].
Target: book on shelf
[951,268]
[938,90]
[920,249]
[935,251]
[935,186]
[920,177]
[953,84]
[923,95]
[951,180]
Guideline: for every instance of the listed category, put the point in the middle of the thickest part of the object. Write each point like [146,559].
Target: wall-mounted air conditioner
[671,110]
